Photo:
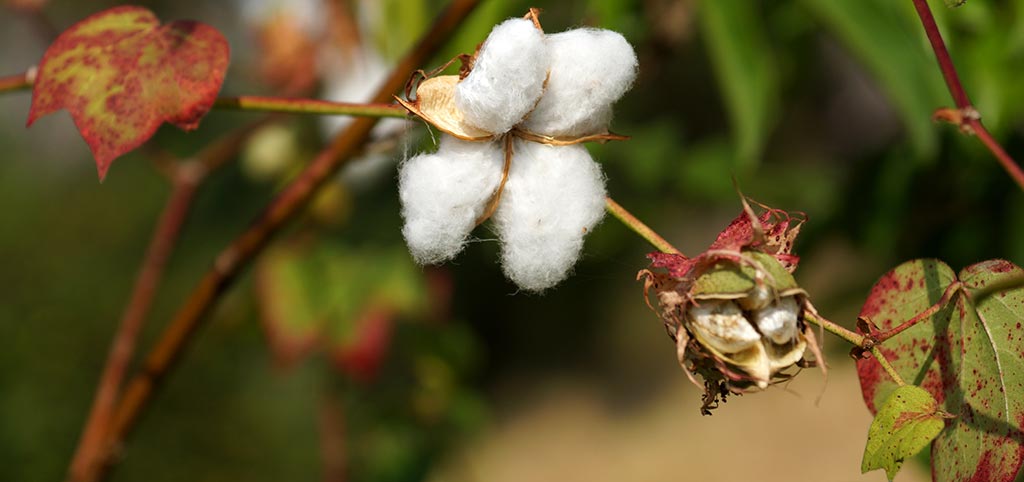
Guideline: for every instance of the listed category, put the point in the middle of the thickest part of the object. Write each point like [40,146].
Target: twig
[231,261]
[947,295]
[309,106]
[14,83]
[638,227]
[971,121]
[882,360]
[832,327]
[185,180]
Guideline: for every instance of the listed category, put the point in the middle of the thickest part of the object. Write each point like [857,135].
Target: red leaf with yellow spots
[121,74]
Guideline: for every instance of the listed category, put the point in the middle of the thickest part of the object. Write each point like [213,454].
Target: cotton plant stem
[832,327]
[309,106]
[969,122]
[14,83]
[856,339]
[186,177]
[884,362]
[234,258]
[627,219]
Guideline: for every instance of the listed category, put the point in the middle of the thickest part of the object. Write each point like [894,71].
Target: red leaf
[121,74]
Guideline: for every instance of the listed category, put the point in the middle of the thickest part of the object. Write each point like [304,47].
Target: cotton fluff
[590,69]
[723,326]
[444,193]
[507,77]
[778,321]
[554,196]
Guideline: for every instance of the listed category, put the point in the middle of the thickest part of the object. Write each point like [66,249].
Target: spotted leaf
[121,74]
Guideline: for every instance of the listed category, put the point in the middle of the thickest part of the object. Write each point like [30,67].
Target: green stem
[882,360]
[638,227]
[308,106]
[832,327]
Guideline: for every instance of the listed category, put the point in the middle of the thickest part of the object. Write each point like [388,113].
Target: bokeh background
[335,358]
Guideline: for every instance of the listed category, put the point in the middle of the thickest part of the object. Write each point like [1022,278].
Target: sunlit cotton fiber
[444,193]
[778,321]
[590,69]
[507,77]
[553,198]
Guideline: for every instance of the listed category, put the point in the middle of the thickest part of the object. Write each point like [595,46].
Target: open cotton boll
[778,321]
[590,69]
[721,324]
[444,193]
[507,77]
[553,197]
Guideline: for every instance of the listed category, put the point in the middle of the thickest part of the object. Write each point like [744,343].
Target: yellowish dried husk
[435,103]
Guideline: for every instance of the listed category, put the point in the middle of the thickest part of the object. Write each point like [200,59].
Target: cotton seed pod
[747,316]
[435,104]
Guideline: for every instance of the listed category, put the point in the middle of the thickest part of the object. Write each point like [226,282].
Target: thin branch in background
[969,120]
[233,259]
[14,83]
[186,177]
[626,218]
[309,106]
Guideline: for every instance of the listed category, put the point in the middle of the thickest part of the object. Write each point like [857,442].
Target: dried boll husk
[750,341]
[435,104]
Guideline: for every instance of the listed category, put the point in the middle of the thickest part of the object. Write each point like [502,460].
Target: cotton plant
[513,123]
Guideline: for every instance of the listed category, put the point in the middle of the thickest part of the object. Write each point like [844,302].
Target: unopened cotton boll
[507,77]
[554,196]
[444,193]
[721,323]
[590,69]
[778,321]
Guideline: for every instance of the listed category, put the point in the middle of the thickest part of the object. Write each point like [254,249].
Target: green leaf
[967,354]
[907,422]
[121,74]
[746,71]
[887,39]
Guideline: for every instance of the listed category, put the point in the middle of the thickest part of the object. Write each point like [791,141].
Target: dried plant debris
[512,123]
[735,312]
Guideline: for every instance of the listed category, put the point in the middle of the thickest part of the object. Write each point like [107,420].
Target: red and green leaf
[906,423]
[121,75]
[969,354]
[344,302]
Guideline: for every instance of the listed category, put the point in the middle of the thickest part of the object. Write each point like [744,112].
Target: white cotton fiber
[590,69]
[778,321]
[444,193]
[507,77]
[721,324]
[553,197]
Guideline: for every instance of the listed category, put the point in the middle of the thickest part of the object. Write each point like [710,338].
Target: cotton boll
[507,77]
[778,321]
[444,193]
[590,69]
[553,197]
[721,324]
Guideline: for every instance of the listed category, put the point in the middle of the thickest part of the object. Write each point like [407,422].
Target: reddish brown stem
[956,89]
[952,289]
[333,452]
[185,180]
[10,83]
[229,264]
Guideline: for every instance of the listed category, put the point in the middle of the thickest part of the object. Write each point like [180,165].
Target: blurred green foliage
[820,106]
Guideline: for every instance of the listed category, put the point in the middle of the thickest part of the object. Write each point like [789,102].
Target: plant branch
[186,178]
[832,327]
[626,218]
[969,120]
[233,259]
[947,295]
[884,362]
[309,106]
[14,83]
